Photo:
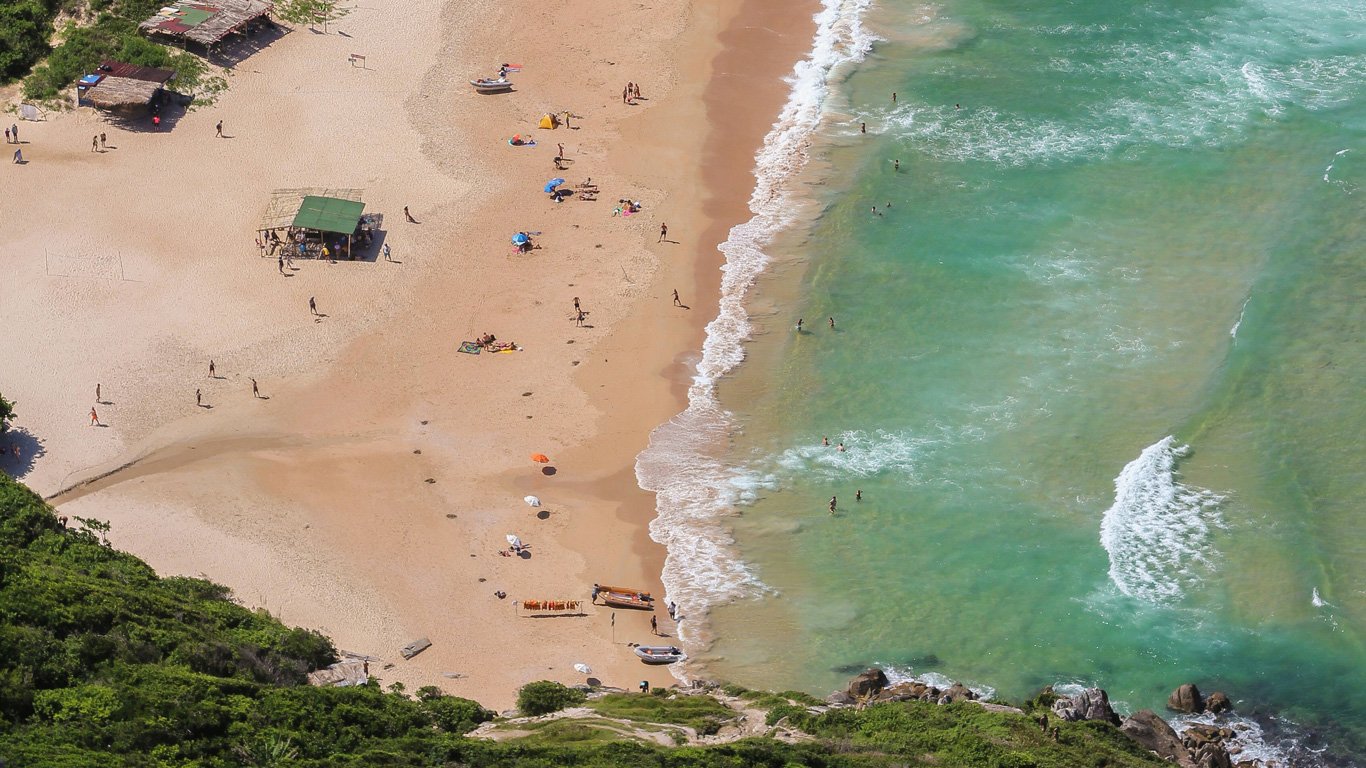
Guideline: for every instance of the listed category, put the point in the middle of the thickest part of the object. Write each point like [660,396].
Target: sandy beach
[368,492]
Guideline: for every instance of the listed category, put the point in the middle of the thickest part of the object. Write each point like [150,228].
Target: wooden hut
[115,85]
[207,22]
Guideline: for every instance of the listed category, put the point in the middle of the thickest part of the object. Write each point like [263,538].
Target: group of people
[630,93]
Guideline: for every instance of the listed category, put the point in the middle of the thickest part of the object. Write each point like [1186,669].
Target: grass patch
[702,713]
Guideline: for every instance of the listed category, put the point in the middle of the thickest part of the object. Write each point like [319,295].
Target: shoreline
[329,523]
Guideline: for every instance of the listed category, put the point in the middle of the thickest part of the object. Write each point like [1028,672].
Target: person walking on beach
[677,302]
[833,502]
[97,392]
[219,128]
[408,216]
[578,318]
[280,262]
[198,399]
[387,255]
[576,304]
[14,129]
[625,94]
[560,155]
[7,141]
[673,610]
[103,144]
[94,418]
[212,369]
[255,390]
[654,626]
[95,143]
[663,233]
[313,306]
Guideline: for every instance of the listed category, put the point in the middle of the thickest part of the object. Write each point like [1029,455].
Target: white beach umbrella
[533,501]
[583,669]
[513,540]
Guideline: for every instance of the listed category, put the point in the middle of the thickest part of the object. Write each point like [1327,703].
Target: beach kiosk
[118,87]
[317,222]
[208,22]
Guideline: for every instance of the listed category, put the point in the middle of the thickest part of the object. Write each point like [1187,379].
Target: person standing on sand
[576,304]
[97,393]
[198,399]
[387,256]
[255,390]
[14,129]
[94,418]
[663,233]
[312,306]
[219,128]
[281,263]
[408,216]
[578,318]
[560,156]
[654,626]
[7,141]
[212,370]
[103,143]
[677,301]
[95,143]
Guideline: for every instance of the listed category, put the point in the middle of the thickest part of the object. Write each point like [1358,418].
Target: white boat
[659,654]
[491,85]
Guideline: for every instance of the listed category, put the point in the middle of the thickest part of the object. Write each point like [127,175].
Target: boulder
[839,699]
[1090,704]
[957,692]
[1154,734]
[1218,702]
[870,683]
[1186,699]
[1212,755]
[910,690]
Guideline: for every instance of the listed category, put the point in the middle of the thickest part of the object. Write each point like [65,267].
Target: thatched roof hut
[121,92]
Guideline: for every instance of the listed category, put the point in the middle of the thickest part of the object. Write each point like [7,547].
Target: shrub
[545,696]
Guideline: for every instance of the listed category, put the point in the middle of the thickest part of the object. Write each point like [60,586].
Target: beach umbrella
[583,669]
[540,458]
[513,541]
[520,239]
[532,501]
[550,185]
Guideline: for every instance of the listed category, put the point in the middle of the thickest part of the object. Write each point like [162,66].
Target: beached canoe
[625,597]
[491,85]
[659,654]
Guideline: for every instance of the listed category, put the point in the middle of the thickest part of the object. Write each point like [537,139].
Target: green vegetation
[104,664]
[6,414]
[543,697]
[108,30]
[310,12]
[701,713]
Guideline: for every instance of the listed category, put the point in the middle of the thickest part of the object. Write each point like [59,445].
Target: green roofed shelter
[329,214]
[316,222]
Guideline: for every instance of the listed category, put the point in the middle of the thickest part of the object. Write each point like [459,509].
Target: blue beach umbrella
[550,185]
[520,238]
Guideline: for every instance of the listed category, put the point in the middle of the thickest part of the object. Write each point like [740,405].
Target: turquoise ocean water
[1098,369]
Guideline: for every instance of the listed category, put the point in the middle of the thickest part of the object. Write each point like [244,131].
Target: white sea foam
[695,491]
[1233,332]
[1157,531]
[1250,743]
[1318,601]
[905,674]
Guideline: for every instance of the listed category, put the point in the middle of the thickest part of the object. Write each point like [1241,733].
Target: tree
[6,413]
[544,696]
[311,12]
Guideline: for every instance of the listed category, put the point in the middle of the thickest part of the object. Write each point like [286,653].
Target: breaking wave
[695,491]
[1158,530]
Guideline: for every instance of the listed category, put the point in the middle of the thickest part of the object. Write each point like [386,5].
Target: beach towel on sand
[469,347]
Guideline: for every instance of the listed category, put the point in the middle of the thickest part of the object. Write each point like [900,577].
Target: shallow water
[1097,369]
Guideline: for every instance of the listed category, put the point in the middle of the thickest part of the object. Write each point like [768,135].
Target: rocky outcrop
[1154,734]
[1186,699]
[957,692]
[1205,744]
[1090,704]
[868,684]
[1218,702]
[910,690]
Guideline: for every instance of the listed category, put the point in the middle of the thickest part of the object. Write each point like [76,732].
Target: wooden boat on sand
[659,654]
[625,597]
